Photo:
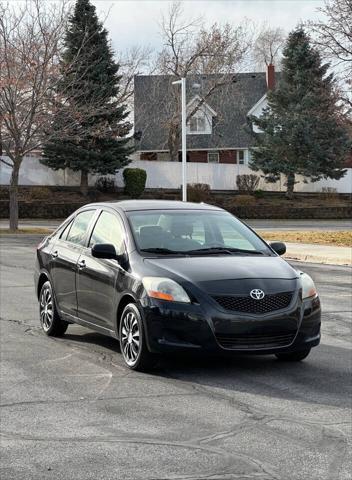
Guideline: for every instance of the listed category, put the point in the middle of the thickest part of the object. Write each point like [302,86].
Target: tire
[50,320]
[293,356]
[133,343]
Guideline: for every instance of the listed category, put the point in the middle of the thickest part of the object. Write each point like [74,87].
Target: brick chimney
[270,77]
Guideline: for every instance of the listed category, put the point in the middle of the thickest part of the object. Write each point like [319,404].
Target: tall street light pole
[182,81]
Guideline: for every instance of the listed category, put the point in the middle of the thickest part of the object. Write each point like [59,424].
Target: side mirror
[278,247]
[104,250]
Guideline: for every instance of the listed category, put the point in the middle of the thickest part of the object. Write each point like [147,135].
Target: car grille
[247,304]
[248,342]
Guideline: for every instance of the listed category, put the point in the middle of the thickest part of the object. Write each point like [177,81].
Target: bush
[135,180]
[259,193]
[105,185]
[330,194]
[241,200]
[247,182]
[4,193]
[38,193]
[93,195]
[198,192]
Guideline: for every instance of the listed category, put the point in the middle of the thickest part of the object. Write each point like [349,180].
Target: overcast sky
[133,22]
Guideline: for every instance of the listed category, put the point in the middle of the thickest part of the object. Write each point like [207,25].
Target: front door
[63,264]
[99,280]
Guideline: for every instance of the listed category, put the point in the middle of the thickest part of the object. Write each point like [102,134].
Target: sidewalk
[328,254]
[33,223]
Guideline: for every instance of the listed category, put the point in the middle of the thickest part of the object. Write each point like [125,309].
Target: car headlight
[165,289]
[308,287]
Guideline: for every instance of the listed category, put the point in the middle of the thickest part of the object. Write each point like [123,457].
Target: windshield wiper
[228,250]
[160,250]
[201,251]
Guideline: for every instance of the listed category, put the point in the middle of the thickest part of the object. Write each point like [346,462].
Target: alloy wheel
[46,309]
[130,338]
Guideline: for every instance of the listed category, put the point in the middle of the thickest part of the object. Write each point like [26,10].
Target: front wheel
[293,356]
[50,320]
[132,340]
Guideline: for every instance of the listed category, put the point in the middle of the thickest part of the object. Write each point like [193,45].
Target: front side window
[108,229]
[189,230]
[79,227]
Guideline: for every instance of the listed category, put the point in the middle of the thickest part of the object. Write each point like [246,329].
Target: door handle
[82,264]
[54,254]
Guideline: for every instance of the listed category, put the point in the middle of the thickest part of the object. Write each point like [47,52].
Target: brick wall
[227,156]
[197,157]
[201,156]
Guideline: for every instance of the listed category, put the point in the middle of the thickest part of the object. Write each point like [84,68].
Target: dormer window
[197,124]
[201,122]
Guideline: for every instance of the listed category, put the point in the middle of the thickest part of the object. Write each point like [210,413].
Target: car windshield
[194,232]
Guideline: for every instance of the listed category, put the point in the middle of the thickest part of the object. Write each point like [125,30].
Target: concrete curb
[314,253]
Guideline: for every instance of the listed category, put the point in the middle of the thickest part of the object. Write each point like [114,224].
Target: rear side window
[65,231]
[79,227]
[108,229]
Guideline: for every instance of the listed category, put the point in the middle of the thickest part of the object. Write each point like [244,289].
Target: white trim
[245,157]
[204,104]
[259,102]
[217,153]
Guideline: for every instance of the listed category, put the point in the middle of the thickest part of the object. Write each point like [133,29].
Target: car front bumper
[175,327]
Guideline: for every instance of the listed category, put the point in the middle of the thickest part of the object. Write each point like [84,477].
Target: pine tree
[302,130]
[89,128]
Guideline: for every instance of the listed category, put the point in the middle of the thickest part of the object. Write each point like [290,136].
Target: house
[218,130]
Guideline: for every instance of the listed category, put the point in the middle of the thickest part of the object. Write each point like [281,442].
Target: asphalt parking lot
[71,410]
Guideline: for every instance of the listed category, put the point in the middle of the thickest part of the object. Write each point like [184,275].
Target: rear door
[64,257]
[99,281]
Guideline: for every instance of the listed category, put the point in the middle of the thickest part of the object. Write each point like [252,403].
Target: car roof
[131,205]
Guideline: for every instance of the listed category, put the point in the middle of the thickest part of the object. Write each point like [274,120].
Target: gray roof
[153,108]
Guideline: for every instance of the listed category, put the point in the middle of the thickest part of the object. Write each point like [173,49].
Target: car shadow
[323,378]
[82,336]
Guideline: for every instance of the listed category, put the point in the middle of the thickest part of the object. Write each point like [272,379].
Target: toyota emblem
[257,294]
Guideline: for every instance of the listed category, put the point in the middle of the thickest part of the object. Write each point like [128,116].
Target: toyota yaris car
[174,277]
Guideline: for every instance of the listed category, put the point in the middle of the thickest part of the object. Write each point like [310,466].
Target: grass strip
[336,238]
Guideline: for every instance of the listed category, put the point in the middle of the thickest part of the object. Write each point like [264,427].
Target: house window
[197,124]
[240,157]
[213,157]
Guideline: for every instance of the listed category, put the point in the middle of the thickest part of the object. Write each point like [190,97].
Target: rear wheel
[132,340]
[293,356]
[50,320]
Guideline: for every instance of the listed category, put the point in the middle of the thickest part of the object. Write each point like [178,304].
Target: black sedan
[174,277]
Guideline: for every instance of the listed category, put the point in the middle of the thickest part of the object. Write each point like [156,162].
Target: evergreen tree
[89,127]
[302,129]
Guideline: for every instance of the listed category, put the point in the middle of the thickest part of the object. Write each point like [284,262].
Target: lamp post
[182,82]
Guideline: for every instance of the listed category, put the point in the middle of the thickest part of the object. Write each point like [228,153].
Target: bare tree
[333,37]
[133,61]
[267,48]
[30,41]
[190,48]
[31,102]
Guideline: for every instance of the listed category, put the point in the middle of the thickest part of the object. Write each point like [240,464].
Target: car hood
[228,274]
